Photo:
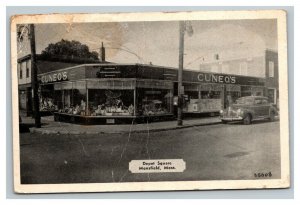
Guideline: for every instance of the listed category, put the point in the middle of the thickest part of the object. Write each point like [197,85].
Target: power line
[194,60]
[122,49]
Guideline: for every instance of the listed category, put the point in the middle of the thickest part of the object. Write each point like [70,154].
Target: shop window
[100,102]
[246,91]
[73,102]
[210,95]
[154,101]
[210,102]
[111,102]
[192,94]
[58,99]
[47,99]
[79,95]
[271,69]
[79,101]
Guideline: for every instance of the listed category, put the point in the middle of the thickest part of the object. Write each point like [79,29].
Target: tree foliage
[70,49]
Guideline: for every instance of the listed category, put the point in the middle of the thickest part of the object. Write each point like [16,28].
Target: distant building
[254,66]
[265,66]
[272,76]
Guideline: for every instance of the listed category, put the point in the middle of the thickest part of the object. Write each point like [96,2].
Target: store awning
[257,88]
[111,84]
[80,85]
[154,84]
[211,87]
[233,88]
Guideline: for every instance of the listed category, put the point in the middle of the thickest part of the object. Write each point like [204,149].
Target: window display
[207,99]
[210,94]
[154,102]
[111,102]
[192,94]
[74,102]
[47,102]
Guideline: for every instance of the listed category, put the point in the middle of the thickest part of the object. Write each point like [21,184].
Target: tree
[69,48]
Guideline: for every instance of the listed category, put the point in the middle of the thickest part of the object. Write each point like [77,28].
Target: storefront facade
[44,64]
[211,92]
[110,93]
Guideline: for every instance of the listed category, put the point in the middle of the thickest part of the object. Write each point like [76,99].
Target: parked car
[249,108]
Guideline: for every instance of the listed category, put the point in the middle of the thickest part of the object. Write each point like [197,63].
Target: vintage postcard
[150,101]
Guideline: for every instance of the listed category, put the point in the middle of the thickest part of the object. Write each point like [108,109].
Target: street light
[34,80]
[184,26]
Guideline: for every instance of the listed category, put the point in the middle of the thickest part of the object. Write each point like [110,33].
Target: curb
[45,131]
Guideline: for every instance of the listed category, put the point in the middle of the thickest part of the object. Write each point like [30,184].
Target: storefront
[116,93]
[211,92]
[106,94]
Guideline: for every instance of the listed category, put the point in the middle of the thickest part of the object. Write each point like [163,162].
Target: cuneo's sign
[216,78]
[54,77]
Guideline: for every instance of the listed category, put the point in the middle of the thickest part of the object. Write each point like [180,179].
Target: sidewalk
[49,126]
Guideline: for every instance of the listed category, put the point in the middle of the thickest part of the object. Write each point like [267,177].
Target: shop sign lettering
[215,78]
[54,77]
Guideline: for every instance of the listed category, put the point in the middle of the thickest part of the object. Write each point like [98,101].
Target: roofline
[199,71]
[24,58]
[76,66]
[229,60]
[61,58]
[138,64]
[271,50]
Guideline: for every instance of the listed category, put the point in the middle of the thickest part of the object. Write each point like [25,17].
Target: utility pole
[34,79]
[180,70]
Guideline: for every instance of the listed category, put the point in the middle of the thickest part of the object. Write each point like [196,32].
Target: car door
[258,108]
[265,107]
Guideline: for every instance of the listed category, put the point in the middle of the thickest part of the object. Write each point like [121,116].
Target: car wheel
[247,120]
[224,121]
[272,116]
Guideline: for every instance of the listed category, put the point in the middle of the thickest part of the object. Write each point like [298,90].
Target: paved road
[216,152]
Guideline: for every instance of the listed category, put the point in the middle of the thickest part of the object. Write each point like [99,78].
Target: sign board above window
[54,77]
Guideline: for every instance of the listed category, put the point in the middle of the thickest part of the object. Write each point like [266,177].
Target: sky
[158,42]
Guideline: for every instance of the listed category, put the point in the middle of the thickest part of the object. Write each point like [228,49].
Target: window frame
[271,68]
[27,73]
[21,72]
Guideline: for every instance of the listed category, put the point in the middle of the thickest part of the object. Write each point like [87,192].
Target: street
[213,152]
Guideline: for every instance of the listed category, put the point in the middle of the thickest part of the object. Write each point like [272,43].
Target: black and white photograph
[150,101]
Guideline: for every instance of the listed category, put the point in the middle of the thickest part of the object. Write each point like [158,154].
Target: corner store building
[148,89]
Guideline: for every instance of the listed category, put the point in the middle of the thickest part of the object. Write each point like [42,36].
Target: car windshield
[245,101]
